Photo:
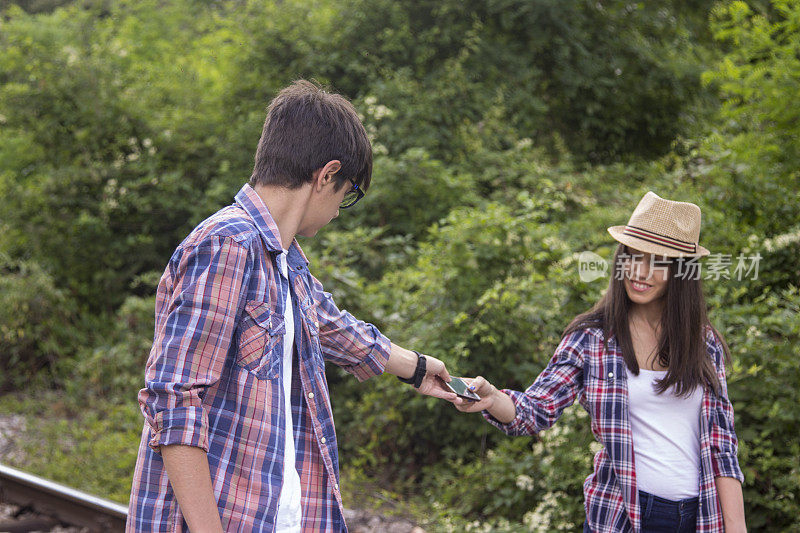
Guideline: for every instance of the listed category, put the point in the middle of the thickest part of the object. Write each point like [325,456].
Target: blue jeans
[659,514]
[662,515]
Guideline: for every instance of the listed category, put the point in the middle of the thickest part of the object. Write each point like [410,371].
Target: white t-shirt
[290,514]
[666,437]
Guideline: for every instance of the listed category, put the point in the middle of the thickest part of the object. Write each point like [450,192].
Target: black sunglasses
[353,195]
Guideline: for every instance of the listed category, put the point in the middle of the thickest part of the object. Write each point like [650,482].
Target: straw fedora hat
[662,227]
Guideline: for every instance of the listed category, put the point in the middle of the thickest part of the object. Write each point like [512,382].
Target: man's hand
[433,384]
[403,363]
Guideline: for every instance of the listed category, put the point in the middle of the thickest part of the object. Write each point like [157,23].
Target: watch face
[460,387]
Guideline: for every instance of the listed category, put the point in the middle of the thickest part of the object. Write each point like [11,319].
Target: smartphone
[461,388]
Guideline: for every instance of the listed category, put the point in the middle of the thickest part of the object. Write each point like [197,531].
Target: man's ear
[323,176]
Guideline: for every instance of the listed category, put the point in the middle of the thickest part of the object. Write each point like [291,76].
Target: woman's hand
[497,403]
[482,388]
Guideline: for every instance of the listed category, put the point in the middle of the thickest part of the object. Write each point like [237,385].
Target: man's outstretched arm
[403,363]
[362,350]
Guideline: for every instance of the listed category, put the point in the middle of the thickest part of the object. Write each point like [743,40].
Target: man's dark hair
[305,128]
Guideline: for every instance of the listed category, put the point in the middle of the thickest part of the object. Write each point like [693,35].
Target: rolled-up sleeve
[724,443]
[556,388]
[356,346]
[196,317]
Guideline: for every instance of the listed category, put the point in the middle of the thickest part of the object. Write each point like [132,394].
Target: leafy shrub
[453,303]
[90,449]
[610,78]
[765,339]
[112,368]
[36,323]
[524,480]
[757,77]
[99,178]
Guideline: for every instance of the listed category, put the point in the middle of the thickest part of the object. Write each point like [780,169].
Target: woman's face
[645,276]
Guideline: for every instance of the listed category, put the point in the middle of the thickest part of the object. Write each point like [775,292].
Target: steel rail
[68,505]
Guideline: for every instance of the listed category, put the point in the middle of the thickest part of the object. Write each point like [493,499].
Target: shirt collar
[249,200]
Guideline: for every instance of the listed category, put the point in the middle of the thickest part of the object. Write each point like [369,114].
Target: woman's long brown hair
[681,347]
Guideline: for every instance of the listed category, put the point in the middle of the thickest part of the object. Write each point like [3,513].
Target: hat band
[661,240]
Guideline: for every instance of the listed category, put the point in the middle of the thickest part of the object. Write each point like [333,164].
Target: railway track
[54,504]
[43,505]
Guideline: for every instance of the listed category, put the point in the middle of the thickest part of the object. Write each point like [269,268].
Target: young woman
[649,367]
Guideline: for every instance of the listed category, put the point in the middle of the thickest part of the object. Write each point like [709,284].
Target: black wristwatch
[419,372]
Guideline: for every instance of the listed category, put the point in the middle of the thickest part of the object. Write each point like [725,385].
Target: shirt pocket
[260,332]
[603,382]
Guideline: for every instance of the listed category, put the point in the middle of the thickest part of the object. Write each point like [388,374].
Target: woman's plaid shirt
[581,368]
[213,378]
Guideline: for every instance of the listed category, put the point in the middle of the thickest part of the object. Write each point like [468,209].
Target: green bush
[765,339]
[523,480]
[453,303]
[37,324]
[112,368]
[611,78]
[759,128]
[106,147]
[90,449]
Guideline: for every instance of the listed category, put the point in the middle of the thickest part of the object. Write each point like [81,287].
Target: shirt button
[322,440]
[311,395]
[336,486]
[611,374]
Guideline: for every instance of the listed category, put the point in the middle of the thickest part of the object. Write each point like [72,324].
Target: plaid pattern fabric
[213,378]
[583,368]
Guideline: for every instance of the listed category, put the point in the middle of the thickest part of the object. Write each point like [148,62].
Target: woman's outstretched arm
[540,406]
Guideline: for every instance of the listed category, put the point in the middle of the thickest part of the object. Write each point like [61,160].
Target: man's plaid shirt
[213,378]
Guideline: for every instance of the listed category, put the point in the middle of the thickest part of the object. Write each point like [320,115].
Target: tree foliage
[507,135]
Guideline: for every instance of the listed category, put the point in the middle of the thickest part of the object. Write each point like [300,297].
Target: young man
[238,432]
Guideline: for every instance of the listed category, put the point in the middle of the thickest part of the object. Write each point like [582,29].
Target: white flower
[782,241]
[524,482]
[72,54]
[753,331]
